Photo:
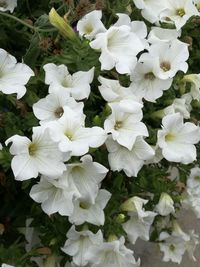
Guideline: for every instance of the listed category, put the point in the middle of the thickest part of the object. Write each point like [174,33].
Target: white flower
[125,127]
[41,155]
[177,137]
[158,34]
[55,195]
[150,9]
[86,177]
[112,254]
[13,75]
[145,84]
[77,85]
[194,80]
[79,244]
[73,137]
[165,205]
[114,93]
[85,211]
[1,147]
[7,265]
[91,24]
[178,12]
[8,5]
[166,65]
[52,107]
[130,161]
[193,181]
[119,47]
[181,105]
[140,220]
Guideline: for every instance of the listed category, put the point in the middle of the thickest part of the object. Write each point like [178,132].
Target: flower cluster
[75,161]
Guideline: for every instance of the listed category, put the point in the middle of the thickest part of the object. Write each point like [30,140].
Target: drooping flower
[13,75]
[176,137]
[78,244]
[41,155]
[77,85]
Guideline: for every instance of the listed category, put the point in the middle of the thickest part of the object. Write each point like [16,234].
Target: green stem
[36,29]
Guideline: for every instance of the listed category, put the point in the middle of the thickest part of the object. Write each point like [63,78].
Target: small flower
[13,75]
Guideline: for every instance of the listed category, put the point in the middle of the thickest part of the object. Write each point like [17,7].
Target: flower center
[149,76]
[170,137]
[180,12]
[197,178]
[84,205]
[88,29]
[172,247]
[3,3]
[59,112]
[32,149]
[165,66]
[118,125]
[69,135]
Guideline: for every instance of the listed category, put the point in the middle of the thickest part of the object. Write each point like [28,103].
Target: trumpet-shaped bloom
[13,75]
[165,205]
[194,80]
[91,24]
[41,155]
[112,254]
[166,65]
[55,195]
[73,137]
[86,177]
[119,47]
[79,244]
[158,34]
[77,85]
[52,107]
[8,5]
[125,127]
[145,84]
[85,211]
[130,161]
[114,93]
[177,137]
[178,12]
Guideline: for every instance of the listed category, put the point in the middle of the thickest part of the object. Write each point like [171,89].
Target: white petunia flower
[85,211]
[151,9]
[114,93]
[8,5]
[178,12]
[181,105]
[86,177]
[13,75]
[166,65]
[165,205]
[41,155]
[7,265]
[77,85]
[177,137]
[52,107]
[194,80]
[125,127]
[158,34]
[78,244]
[55,195]
[145,84]
[73,137]
[119,47]
[140,220]
[112,254]
[130,161]
[91,24]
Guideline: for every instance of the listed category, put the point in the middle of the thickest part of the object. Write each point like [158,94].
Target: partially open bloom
[13,75]
[194,80]
[177,137]
[165,205]
[41,155]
